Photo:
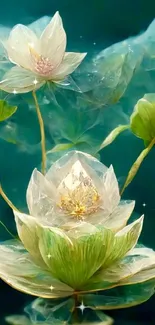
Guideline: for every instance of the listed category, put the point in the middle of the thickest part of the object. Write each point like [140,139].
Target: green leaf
[120,297]
[113,135]
[45,312]
[6,110]
[18,320]
[52,311]
[61,147]
[91,317]
[59,313]
[142,121]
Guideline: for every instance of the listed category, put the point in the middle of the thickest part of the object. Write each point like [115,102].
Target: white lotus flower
[38,60]
[75,238]
[78,188]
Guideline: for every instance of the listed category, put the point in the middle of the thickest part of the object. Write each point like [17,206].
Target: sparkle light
[14,91]
[82,307]
[49,256]
[35,81]
[144,204]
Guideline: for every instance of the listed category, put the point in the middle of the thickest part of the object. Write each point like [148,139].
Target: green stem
[135,167]
[75,312]
[42,132]
[9,232]
[6,199]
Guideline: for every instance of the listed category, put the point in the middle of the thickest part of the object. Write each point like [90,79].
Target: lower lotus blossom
[38,59]
[75,239]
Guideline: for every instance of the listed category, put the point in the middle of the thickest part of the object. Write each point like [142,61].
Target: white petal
[60,169]
[73,171]
[53,41]
[39,25]
[19,80]
[120,215]
[40,196]
[18,45]
[70,62]
[111,190]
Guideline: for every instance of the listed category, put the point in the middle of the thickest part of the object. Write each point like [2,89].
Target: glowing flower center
[80,202]
[42,65]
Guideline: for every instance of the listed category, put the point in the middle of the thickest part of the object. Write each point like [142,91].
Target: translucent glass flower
[38,60]
[75,238]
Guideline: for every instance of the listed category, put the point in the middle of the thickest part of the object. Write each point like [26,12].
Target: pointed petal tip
[140,219]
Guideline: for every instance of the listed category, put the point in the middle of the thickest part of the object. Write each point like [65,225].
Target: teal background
[91,26]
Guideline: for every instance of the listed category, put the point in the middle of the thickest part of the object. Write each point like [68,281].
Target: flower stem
[136,165]
[75,312]
[42,132]
[6,199]
[9,232]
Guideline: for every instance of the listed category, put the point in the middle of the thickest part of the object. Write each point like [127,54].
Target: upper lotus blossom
[75,239]
[38,60]
[77,189]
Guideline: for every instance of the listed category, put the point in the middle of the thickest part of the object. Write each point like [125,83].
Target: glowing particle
[49,256]
[14,91]
[35,81]
[51,287]
[94,43]
[144,204]
[82,307]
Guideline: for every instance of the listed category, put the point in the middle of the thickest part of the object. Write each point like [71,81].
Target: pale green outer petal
[136,266]
[27,231]
[111,190]
[19,80]
[53,41]
[69,64]
[136,226]
[40,196]
[18,270]
[118,247]
[120,215]
[74,260]
[124,241]
[18,46]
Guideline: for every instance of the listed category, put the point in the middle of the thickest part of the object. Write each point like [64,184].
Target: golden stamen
[81,201]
